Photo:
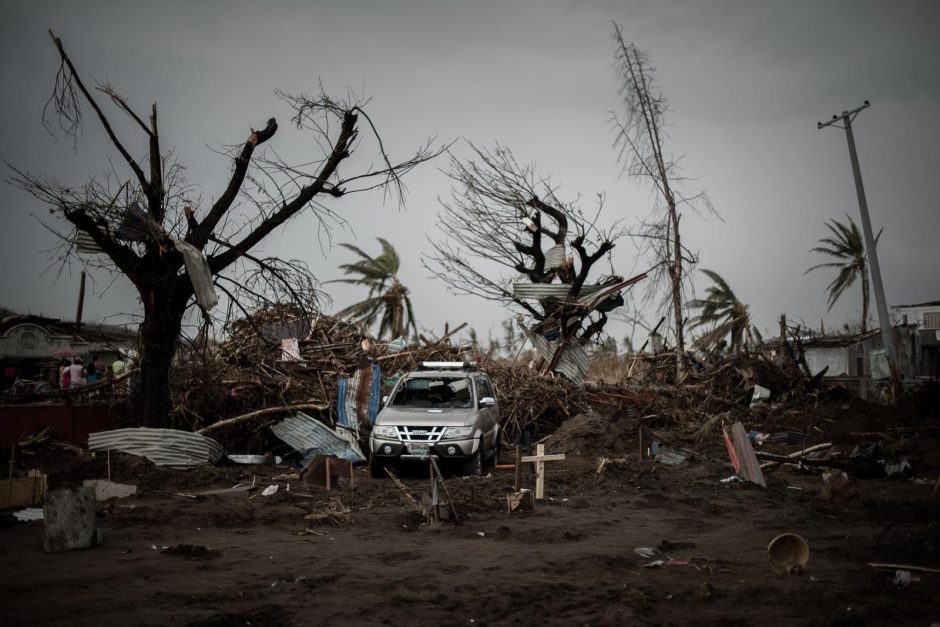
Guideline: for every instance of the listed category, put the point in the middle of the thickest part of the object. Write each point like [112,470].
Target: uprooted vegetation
[235,390]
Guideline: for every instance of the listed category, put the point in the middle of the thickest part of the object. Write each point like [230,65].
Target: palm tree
[388,299]
[848,248]
[724,310]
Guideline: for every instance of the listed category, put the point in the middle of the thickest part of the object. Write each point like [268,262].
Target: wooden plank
[22,491]
[742,452]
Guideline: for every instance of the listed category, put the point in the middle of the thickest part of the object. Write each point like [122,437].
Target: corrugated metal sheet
[85,243]
[164,447]
[573,362]
[555,256]
[309,436]
[544,290]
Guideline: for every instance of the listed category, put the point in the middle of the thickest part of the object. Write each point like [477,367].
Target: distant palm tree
[388,300]
[726,312]
[848,248]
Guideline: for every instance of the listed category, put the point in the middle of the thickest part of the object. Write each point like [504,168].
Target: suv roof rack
[447,365]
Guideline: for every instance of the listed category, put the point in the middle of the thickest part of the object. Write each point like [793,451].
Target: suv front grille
[420,434]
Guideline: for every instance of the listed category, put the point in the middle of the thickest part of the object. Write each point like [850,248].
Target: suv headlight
[385,432]
[453,433]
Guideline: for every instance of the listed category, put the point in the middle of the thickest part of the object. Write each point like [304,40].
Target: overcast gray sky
[746,83]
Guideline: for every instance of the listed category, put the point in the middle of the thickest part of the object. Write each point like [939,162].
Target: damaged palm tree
[501,214]
[147,224]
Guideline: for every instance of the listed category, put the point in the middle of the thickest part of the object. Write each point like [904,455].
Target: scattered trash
[271,489]
[671,456]
[732,479]
[522,501]
[901,469]
[902,579]
[256,460]
[788,554]
[760,396]
[335,512]
[790,436]
[836,487]
[105,489]
[645,551]
[29,514]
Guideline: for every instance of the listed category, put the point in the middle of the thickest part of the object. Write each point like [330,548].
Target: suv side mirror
[487,401]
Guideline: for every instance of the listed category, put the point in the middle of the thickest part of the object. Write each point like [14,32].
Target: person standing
[77,373]
[65,375]
[100,368]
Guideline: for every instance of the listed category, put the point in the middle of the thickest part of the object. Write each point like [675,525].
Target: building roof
[82,332]
[933,303]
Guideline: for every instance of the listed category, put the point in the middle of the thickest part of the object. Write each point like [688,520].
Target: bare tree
[503,220]
[640,139]
[146,223]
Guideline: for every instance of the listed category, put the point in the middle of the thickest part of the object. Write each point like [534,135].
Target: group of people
[73,373]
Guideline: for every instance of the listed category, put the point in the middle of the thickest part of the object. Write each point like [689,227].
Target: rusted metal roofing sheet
[164,447]
[573,363]
[306,434]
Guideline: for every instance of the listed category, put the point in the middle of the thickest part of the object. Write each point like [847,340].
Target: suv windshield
[434,392]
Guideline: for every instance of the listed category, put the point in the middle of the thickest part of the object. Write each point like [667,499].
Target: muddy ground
[173,556]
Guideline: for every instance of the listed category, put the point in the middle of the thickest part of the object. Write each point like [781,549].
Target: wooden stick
[797,454]
[518,483]
[262,412]
[920,569]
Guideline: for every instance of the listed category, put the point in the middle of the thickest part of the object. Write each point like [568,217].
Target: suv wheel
[474,465]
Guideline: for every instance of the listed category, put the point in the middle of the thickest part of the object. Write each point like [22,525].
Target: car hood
[451,417]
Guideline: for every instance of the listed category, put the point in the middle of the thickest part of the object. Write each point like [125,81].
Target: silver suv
[444,408]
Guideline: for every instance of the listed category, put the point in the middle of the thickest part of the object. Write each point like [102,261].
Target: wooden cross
[540,458]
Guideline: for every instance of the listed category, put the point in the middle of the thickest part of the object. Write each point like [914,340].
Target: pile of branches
[236,389]
[532,404]
[711,391]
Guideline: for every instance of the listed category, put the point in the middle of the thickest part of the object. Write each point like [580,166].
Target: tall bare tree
[503,221]
[170,224]
[640,138]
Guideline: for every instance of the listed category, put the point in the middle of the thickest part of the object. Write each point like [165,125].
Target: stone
[69,519]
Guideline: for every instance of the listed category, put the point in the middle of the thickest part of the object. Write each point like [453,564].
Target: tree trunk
[676,275]
[159,334]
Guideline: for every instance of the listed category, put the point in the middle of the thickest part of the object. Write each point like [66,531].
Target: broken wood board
[522,501]
[742,455]
[23,491]
[105,489]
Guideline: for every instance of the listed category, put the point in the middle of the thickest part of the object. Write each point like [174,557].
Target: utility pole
[887,339]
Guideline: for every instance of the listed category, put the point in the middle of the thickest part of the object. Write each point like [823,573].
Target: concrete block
[69,519]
